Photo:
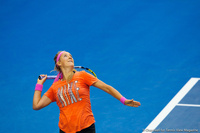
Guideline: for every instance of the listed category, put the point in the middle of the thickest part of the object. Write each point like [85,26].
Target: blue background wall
[147,50]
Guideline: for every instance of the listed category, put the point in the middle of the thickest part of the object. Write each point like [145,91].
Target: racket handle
[48,77]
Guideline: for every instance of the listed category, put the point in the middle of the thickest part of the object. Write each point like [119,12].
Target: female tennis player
[70,91]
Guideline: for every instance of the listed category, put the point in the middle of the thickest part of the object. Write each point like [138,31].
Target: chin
[72,65]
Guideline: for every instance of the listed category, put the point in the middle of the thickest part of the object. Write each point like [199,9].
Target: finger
[42,76]
[137,103]
[45,77]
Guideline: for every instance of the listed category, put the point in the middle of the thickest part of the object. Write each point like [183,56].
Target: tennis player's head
[63,60]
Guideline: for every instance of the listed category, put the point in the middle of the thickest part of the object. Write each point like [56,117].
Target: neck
[67,74]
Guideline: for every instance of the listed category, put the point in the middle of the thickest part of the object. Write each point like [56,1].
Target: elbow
[35,107]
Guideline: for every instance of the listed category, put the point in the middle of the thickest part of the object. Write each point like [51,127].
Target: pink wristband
[38,87]
[122,100]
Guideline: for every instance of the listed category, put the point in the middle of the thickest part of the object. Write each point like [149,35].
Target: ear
[58,63]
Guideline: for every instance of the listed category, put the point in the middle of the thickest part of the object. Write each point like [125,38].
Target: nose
[70,58]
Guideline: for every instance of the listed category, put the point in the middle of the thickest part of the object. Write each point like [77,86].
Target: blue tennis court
[147,50]
[182,113]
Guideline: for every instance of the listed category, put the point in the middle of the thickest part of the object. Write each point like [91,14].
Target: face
[66,60]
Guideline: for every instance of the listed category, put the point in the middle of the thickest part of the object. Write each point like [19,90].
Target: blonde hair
[57,68]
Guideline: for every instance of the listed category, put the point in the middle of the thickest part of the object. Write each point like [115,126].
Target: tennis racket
[75,67]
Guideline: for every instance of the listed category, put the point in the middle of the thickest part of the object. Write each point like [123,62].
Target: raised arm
[112,91]
[38,101]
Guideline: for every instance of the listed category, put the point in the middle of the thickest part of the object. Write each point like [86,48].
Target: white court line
[170,106]
[189,105]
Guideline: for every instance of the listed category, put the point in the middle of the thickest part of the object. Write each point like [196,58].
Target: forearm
[37,95]
[36,99]
[112,91]
[107,88]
